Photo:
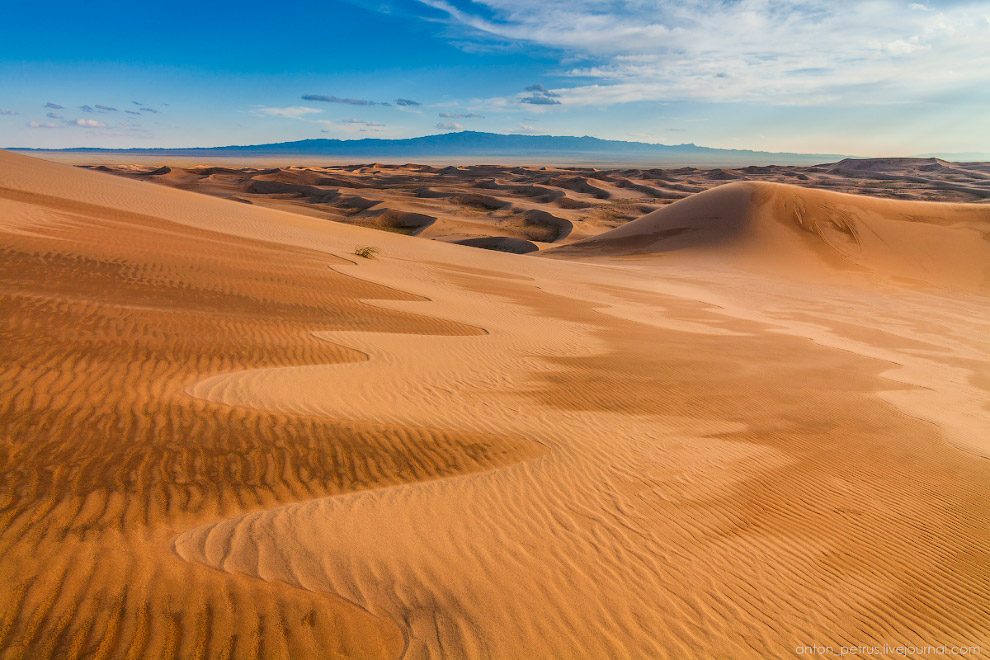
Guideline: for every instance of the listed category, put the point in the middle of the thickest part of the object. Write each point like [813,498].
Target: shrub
[366,251]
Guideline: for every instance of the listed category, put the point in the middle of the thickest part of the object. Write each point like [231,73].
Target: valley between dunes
[752,420]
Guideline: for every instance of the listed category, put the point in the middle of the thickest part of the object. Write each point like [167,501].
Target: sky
[868,78]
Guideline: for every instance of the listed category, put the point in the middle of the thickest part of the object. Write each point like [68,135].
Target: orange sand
[751,420]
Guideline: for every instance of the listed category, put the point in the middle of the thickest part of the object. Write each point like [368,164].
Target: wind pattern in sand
[225,438]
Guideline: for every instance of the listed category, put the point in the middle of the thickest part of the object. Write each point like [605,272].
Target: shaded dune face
[501,244]
[224,437]
[770,223]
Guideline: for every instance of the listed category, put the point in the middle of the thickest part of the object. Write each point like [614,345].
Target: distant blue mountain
[493,145]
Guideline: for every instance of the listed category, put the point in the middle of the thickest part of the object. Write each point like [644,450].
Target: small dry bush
[366,251]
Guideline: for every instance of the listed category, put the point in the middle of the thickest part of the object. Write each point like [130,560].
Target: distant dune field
[534,207]
[748,421]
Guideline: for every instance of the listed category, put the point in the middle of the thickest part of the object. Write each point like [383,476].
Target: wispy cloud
[8,112]
[151,110]
[467,115]
[294,112]
[540,95]
[86,123]
[407,102]
[783,52]
[41,124]
[54,106]
[54,115]
[107,108]
[526,128]
[303,113]
[132,112]
[336,99]
[449,126]
[373,124]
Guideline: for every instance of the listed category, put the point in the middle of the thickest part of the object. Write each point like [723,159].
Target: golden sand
[225,436]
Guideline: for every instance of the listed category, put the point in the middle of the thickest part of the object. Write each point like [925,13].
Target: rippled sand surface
[752,420]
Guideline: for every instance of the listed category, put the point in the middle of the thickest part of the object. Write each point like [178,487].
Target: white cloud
[362,122]
[904,47]
[42,124]
[526,128]
[8,112]
[449,126]
[86,123]
[783,52]
[295,112]
[349,127]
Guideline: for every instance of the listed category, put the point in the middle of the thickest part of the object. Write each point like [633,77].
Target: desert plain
[669,414]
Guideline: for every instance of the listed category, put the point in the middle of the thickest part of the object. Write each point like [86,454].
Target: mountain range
[475,144]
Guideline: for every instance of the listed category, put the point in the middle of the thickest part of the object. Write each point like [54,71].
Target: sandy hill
[225,435]
[891,164]
[482,205]
[803,229]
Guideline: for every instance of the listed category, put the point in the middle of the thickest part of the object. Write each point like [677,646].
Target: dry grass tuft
[366,251]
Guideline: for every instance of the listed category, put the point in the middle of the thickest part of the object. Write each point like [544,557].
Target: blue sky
[871,77]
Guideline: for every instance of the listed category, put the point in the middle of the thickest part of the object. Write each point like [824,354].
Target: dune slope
[801,230]
[108,313]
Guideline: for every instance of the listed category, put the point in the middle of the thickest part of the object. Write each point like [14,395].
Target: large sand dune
[800,228]
[225,436]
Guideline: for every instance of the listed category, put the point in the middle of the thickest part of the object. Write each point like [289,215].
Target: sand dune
[546,206]
[109,312]
[771,223]
[719,431]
